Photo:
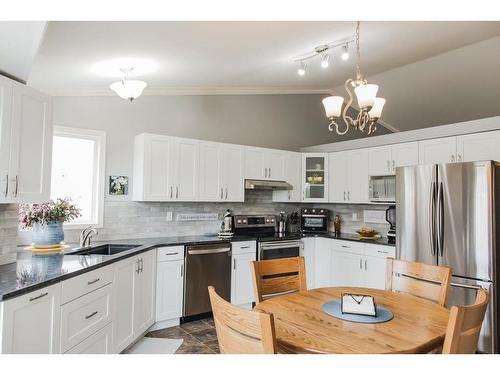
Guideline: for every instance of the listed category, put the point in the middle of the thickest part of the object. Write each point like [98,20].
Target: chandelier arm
[348,119]
[334,123]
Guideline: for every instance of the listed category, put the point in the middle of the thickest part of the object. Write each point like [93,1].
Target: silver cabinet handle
[177,192]
[269,172]
[388,165]
[137,266]
[6,185]
[452,158]
[226,193]
[93,281]
[289,195]
[348,195]
[221,193]
[17,183]
[265,172]
[459,157]
[366,262]
[382,252]
[360,263]
[39,296]
[142,265]
[171,192]
[393,165]
[170,253]
[234,264]
[182,270]
[344,195]
[346,247]
[91,315]
[245,247]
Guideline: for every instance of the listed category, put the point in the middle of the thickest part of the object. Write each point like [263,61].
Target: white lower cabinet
[84,316]
[243,254]
[98,343]
[169,283]
[134,298]
[346,269]
[309,256]
[322,263]
[31,323]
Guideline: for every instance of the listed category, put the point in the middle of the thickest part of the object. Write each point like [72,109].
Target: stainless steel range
[271,245]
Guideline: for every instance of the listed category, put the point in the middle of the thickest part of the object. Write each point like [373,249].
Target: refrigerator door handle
[465,286]
[440,231]
[432,221]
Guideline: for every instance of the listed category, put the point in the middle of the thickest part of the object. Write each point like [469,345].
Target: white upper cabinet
[25,143]
[348,176]
[292,175]
[185,169]
[314,177]
[233,179]
[479,146]
[437,151]
[384,159]
[264,164]
[221,172]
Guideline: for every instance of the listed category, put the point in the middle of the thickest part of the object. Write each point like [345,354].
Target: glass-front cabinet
[314,177]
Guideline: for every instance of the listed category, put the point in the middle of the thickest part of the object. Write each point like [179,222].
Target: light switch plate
[354,216]
[170,216]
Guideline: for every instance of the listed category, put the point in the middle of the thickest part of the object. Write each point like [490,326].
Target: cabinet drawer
[86,283]
[348,246]
[98,343]
[244,247]
[168,253]
[84,316]
[380,251]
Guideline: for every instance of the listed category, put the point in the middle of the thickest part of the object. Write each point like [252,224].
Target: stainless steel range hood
[267,185]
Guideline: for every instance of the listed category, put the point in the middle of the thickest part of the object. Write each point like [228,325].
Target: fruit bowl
[367,232]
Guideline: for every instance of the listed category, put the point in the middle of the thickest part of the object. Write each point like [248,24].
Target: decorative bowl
[367,232]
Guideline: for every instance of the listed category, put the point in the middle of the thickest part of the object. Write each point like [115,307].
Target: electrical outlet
[354,216]
[170,216]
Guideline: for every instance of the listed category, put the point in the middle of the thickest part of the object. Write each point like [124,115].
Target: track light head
[325,62]
[302,69]
[345,53]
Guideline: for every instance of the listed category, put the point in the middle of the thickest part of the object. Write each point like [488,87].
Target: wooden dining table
[418,325]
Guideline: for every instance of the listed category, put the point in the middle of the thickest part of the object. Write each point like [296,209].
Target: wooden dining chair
[418,279]
[242,331]
[464,326]
[278,276]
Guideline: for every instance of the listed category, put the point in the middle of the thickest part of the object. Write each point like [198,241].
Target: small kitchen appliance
[390,217]
[282,222]
[315,220]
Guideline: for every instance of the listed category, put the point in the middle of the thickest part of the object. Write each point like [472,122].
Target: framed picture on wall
[118,185]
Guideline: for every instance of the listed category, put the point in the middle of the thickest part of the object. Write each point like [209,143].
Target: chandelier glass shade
[370,106]
[129,89]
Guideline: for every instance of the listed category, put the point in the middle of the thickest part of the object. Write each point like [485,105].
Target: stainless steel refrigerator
[448,214]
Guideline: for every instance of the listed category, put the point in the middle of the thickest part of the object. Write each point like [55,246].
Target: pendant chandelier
[370,107]
[129,89]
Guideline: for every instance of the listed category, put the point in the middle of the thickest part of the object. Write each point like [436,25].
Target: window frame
[98,185]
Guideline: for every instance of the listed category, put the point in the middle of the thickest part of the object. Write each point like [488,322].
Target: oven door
[280,249]
[314,223]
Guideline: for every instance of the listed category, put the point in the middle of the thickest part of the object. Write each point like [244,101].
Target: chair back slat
[418,279]
[278,276]
[464,326]
[242,331]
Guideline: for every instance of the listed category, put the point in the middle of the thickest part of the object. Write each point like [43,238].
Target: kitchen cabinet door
[31,323]
[380,161]
[153,175]
[273,161]
[309,258]
[437,151]
[338,164]
[144,293]
[292,175]
[358,177]
[241,278]
[169,290]
[185,169]
[373,275]
[315,177]
[322,263]
[346,269]
[479,146]
[210,172]
[254,164]
[233,174]
[31,145]
[5,137]
[404,154]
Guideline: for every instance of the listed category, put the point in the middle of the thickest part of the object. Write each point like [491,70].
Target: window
[78,172]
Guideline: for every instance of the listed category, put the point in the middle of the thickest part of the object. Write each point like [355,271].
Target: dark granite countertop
[350,237]
[34,271]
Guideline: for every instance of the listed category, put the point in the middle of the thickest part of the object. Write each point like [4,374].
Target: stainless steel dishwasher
[206,265]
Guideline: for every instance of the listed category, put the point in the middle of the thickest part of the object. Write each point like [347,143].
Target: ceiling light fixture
[370,107]
[129,89]
[325,61]
[345,52]
[302,69]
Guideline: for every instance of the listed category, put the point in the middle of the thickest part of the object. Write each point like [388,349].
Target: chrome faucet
[86,235]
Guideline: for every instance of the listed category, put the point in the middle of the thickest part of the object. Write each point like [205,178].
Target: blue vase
[49,234]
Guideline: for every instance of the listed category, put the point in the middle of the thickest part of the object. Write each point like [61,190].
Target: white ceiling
[235,56]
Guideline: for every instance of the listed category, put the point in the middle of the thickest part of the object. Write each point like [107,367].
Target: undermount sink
[107,249]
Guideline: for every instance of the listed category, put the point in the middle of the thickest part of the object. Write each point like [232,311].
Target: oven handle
[280,245]
[313,215]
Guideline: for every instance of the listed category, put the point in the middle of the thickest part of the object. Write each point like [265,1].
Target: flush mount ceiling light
[370,107]
[129,89]
[112,68]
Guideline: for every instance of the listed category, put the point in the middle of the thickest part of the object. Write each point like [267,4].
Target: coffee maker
[390,217]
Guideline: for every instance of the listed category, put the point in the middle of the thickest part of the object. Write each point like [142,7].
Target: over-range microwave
[382,189]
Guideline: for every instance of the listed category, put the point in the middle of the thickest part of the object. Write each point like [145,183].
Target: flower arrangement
[60,210]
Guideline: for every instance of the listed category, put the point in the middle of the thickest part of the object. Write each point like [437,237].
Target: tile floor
[199,337]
